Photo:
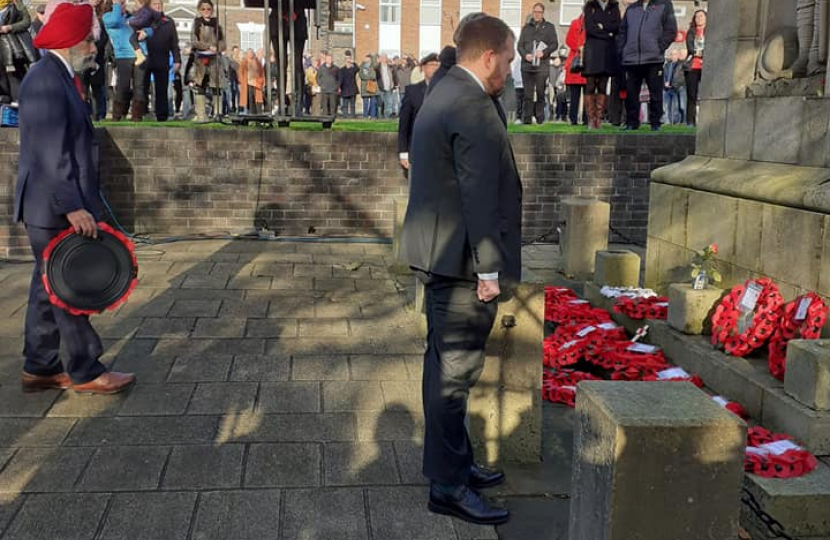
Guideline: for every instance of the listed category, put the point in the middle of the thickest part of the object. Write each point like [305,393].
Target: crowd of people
[622,62]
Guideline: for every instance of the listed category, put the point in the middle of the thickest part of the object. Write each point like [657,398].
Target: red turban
[69,25]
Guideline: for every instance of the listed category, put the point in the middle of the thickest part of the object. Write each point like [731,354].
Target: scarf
[604,4]
[5,3]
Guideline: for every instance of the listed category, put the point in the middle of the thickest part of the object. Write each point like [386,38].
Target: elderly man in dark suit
[462,234]
[57,186]
[413,100]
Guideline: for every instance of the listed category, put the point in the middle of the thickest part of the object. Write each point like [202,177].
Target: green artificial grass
[387,126]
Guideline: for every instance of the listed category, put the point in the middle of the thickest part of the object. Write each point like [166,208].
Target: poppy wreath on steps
[560,386]
[575,311]
[574,341]
[775,455]
[674,374]
[656,307]
[803,318]
[764,317]
[554,298]
[630,361]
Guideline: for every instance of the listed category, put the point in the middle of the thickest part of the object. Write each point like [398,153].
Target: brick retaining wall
[185,181]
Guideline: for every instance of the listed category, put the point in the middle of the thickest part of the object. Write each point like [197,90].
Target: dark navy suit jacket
[412,102]
[58,165]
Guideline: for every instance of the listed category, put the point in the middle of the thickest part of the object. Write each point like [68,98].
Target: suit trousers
[47,325]
[652,74]
[535,83]
[458,326]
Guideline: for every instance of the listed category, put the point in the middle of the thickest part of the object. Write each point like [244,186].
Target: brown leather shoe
[108,383]
[39,383]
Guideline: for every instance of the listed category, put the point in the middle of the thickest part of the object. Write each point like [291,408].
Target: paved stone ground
[278,398]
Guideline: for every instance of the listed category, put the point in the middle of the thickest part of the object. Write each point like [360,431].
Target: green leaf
[695,272]
[351,267]
[716,276]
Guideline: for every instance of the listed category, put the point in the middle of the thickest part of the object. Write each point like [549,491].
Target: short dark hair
[539,4]
[481,33]
[431,57]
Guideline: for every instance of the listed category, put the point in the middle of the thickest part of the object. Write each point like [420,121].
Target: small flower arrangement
[705,267]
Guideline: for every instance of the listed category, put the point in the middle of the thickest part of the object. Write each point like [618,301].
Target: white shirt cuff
[489,277]
[404,155]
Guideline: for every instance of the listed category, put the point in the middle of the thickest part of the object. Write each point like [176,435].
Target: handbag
[371,86]
[577,66]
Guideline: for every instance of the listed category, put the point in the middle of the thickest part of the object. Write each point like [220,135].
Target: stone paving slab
[149,516]
[204,467]
[44,470]
[290,397]
[125,468]
[351,464]
[240,515]
[324,514]
[283,465]
[58,517]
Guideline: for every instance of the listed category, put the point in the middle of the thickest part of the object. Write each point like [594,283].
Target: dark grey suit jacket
[465,196]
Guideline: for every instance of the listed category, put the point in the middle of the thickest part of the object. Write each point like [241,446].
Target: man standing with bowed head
[57,186]
[537,42]
[462,235]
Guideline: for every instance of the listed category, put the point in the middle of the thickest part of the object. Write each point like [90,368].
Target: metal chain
[774,526]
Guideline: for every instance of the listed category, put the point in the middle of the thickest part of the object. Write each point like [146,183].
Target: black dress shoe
[629,127]
[482,477]
[467,504]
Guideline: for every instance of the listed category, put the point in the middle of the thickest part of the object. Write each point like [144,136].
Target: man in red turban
[57,187]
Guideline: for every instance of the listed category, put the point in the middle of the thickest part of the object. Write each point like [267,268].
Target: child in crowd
[145,19]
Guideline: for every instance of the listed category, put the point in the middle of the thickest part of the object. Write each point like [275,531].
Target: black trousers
[10,80]
[535,83]
[458,326]
[520,102]
[692,88]
[124,79]
[576,91]
[161,79]
[47,325]
[616,107]
[652,74]
[348,107]
[297,60]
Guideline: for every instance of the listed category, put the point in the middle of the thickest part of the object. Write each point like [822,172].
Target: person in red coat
[575,40]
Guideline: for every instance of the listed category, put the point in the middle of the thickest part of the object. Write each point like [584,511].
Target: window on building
[469,6]
[430,12]
[570,10]
[390,11]
[511,13]
[251,36]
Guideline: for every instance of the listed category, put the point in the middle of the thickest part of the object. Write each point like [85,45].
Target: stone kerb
[654,461]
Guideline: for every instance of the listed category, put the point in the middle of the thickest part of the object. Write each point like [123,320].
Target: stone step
[801,505]
[746,381]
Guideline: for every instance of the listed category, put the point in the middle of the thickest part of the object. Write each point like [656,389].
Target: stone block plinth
[654,472]
[617,268]
[807,379]
[691,310]
[505,408]
[584,234]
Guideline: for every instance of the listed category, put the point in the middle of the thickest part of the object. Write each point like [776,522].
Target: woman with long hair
[208,43]
[695,44]
[599,57]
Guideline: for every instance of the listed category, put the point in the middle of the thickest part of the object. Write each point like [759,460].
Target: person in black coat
[602,24]
[347,81]
[446,59]
[412,101]
[163,43]
[57,187]
[462,235]
[537,43]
